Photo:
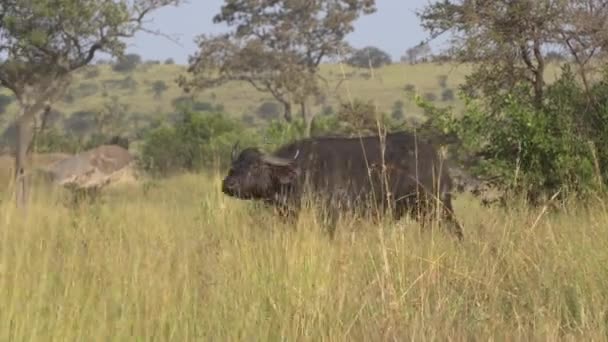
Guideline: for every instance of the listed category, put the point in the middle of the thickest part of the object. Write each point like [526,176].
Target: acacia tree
[276,46]
[369,56]
[524,134]
[508,40]
[42,42]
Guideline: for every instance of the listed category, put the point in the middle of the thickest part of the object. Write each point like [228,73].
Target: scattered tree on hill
[43,42]
[169,61]
[127,63]
[369,56]
[276,46]
[159,87]
[415,54]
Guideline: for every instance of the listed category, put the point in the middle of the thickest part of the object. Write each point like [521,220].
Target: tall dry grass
[177,260]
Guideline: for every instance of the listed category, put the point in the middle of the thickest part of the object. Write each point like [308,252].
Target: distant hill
[150,90]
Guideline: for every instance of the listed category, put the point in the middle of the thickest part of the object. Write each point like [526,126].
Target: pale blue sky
[393,28]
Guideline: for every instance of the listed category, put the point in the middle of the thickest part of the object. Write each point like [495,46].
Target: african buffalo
[347,172]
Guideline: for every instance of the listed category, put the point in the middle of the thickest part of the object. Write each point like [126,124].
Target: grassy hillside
[384,86]
[177,260]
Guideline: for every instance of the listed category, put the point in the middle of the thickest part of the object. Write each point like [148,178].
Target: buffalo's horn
[276,161]
[297,154]
[235,150]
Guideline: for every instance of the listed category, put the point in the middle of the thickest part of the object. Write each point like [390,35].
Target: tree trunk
[539,75]
[23,140]
[287,112]
[307,117]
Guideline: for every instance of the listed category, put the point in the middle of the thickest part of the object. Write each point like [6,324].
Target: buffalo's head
[256,175]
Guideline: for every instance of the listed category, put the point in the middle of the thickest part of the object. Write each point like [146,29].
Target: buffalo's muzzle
[229,187]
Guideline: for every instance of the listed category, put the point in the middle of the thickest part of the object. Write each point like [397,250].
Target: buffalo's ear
[286,174]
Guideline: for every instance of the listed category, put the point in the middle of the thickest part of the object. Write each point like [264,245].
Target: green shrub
[447,95]
[197,140]
[53,140]
[538,151]
[269,110]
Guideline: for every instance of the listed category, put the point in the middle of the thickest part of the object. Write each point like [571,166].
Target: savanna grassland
[177,260]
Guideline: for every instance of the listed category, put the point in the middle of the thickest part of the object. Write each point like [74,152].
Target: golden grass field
[177,260]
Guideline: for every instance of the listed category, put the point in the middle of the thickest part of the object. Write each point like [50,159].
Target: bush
[127,83]
[182,103]
[169,61]
[269,111]
[447,95]
[280,132]
[248,119]
[359,117]
[52,141]
[328,110]
[201,106]
[532,150]
[193,143]
[409,88]
[431,97]
[99,139]
[81,123]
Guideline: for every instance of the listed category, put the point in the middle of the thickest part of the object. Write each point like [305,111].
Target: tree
[369,56]
[276,46]
[414,54]
[516,129]
[43,42]
[508,40]
[127,63]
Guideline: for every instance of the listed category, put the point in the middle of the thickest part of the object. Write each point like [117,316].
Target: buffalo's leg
[449,218]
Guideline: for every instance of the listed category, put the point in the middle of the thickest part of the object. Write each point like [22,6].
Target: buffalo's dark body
[348,173]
